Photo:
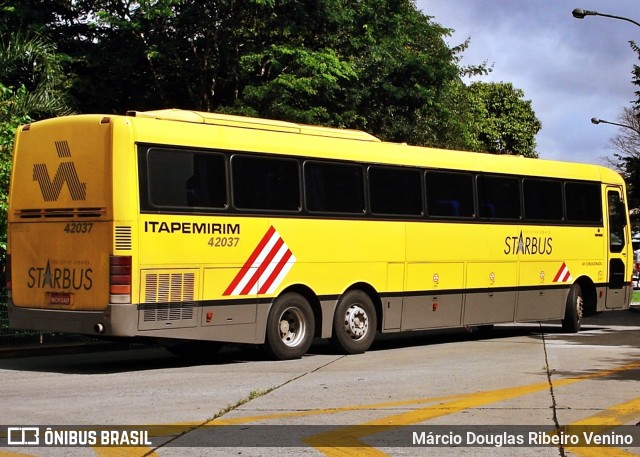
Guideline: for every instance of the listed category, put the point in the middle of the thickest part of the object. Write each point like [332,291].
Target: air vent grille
[166,312]
[168,300]
[66,213]
[169,287]
[123,238]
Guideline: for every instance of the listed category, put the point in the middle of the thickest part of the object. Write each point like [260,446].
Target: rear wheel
[354,323]
[290,327]
[574,310]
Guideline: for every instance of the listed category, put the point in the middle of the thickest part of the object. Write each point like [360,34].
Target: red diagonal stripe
[559,273]
[263,266]
[276,271]
[254,255]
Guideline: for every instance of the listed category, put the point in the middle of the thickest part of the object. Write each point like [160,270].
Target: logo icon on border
[66,173]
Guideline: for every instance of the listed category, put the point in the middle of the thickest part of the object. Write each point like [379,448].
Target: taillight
[120,279]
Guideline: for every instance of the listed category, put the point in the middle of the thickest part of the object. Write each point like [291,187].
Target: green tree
[9,120]
[377,65]
[627,159]
[151,54]
[406,72]
[626,155]
[304,87]
[636,74]
[30,78]
[33,16]
[505,121]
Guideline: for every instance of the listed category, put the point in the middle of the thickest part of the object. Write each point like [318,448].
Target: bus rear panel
[61,223]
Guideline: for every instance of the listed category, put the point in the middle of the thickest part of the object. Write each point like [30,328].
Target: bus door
[617,249]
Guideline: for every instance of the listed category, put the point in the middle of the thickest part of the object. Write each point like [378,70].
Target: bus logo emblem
[265,269]
[66,173]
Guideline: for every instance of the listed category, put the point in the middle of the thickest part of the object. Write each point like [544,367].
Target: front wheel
[290,327]
[354,323]
[574,310]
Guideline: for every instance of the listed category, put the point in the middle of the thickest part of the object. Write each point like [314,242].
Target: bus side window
[449,194]
[334,187]
[265,183]
[583,202]
[207,188]
[447,208]
[395,191]
[186,179]
[499,197]
[542,199]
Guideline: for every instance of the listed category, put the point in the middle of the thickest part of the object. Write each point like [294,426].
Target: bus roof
[362,147]
[391,153]
[199,117]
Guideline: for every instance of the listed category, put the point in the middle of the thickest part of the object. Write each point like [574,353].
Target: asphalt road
[476,394]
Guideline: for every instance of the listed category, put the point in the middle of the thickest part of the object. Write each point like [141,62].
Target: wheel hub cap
[356,322]
[292,327]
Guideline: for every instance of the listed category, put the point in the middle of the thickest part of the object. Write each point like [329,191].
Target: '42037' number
[78,227]
[223,241]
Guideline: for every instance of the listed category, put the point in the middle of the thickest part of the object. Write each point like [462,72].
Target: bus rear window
[186,179]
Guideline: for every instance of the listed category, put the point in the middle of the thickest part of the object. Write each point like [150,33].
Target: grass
[636,296]
[252,395]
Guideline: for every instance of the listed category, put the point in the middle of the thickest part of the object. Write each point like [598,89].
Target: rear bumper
[115,320]
[129,321]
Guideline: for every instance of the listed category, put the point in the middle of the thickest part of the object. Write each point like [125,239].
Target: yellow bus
[187,227]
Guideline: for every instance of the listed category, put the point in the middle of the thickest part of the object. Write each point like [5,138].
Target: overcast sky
[570,69]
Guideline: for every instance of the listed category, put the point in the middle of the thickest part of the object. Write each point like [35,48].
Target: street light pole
[596,121]
[579,13]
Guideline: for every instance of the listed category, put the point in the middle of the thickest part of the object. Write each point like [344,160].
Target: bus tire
[290,327]
[574,310]
[354,323]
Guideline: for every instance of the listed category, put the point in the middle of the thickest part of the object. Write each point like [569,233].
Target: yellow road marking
[14,454]
[123,451]
[599,452]
[510,392]
[137,451]
[615,415]
[606,420]
[317,412]
[344,441]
